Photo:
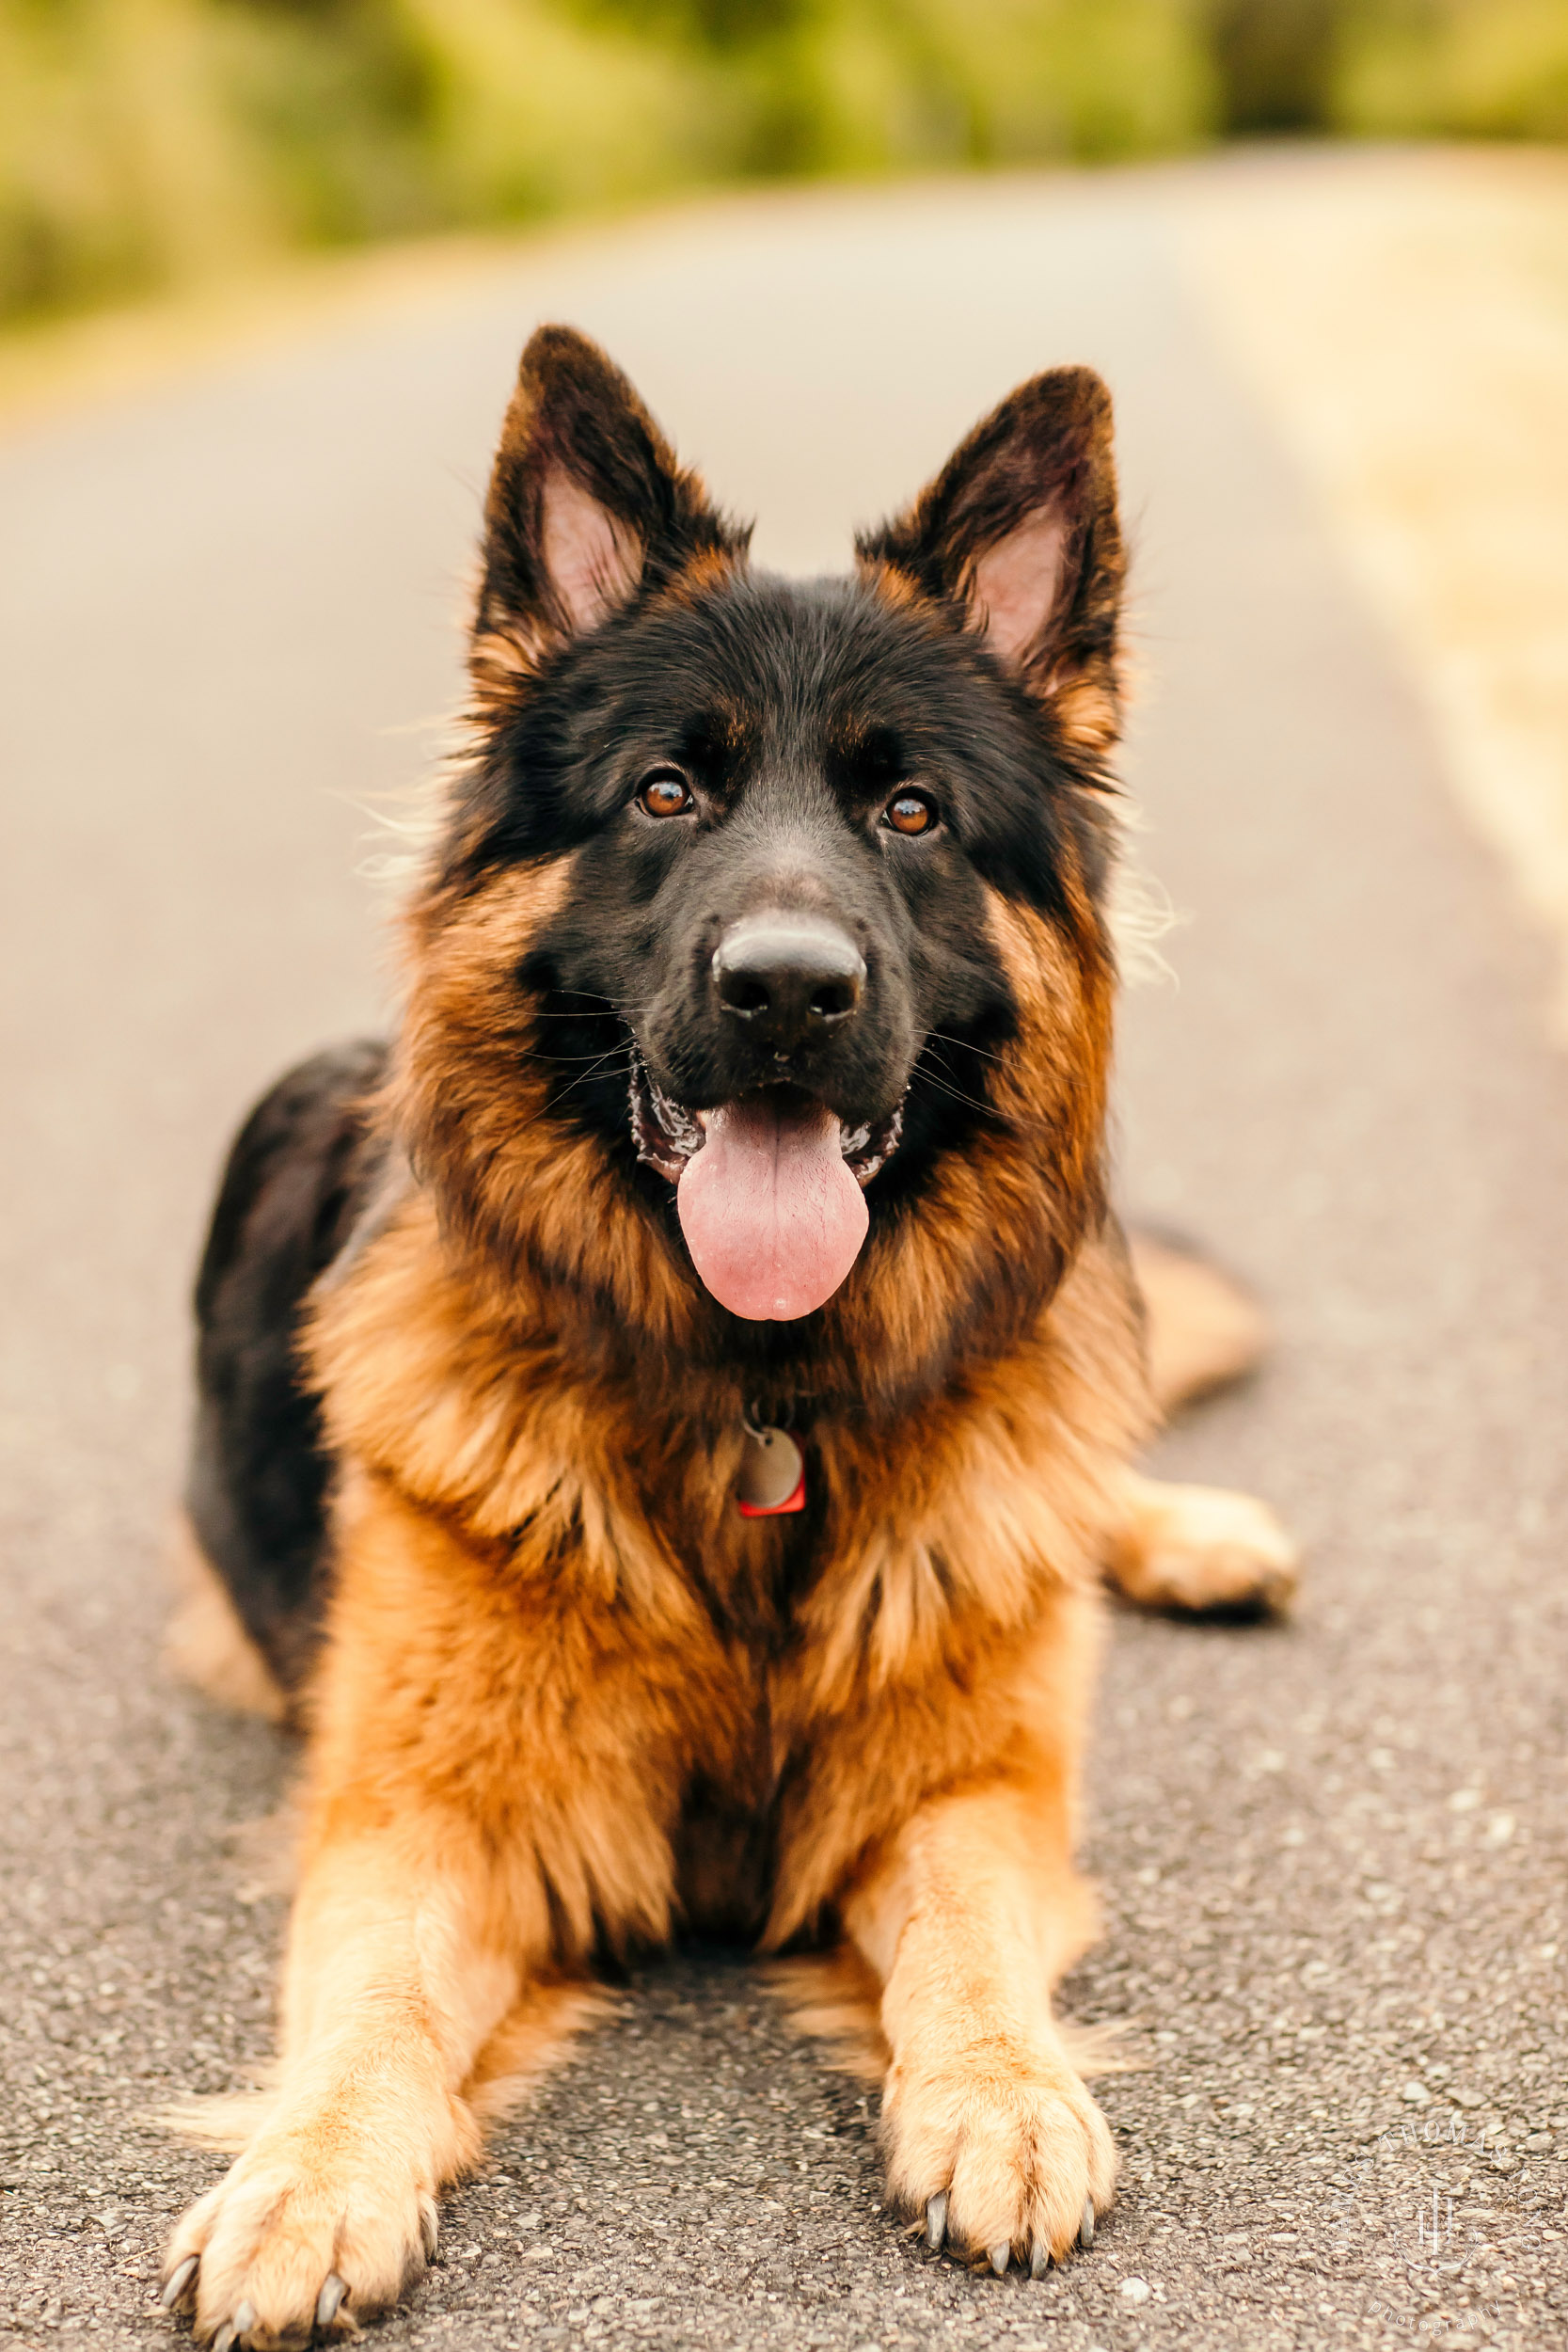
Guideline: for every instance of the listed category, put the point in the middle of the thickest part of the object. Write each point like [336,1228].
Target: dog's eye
[911,812]
[664,794]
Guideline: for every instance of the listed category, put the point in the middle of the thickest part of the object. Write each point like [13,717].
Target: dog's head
[761,961]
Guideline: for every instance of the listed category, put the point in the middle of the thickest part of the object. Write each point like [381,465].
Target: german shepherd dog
[664,1420]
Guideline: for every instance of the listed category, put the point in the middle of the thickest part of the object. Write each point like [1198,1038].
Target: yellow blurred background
[152,143]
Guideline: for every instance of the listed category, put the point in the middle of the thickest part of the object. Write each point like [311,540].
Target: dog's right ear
[587,508]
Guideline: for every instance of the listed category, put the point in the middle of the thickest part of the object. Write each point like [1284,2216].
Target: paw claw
[329,2299]
[224,2340]
[1024,2154]
[245,2318]
[1086,2227]
[178,2284]
[430,2227]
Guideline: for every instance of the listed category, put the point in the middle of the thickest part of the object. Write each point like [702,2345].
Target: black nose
[791,979]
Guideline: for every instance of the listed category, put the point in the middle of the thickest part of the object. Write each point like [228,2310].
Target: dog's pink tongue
[771,1213]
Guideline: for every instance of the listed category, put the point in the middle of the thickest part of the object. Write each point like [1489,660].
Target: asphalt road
[1332,1853]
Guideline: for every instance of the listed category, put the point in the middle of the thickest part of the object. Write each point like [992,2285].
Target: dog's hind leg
[304,1169]
[206,1643]
[1201,1549]
[1197,1549]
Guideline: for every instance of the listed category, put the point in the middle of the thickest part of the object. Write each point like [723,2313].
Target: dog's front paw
[1203,1548]
[306,2235]
[1003,2153]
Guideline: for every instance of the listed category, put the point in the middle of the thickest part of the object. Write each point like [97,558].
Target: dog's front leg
[480,1789]
[968,1920]
[390,1991]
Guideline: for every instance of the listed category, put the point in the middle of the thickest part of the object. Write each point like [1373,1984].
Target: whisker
[564,1060]
[966,1044]
[591,997]
[592,1066]
[987,1110]
[581,1078]
[1009,1119]
[625,1015]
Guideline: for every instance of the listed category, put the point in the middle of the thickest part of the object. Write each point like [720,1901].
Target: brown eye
[911,812]
[664,794]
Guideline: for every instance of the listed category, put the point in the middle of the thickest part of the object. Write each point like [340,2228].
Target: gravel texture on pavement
[1332,1853]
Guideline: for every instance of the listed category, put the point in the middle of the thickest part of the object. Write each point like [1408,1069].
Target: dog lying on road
[664,1419]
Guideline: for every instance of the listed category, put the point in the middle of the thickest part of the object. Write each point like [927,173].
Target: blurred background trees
[151,143]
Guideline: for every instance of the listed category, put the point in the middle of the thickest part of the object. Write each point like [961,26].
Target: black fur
[301,1172]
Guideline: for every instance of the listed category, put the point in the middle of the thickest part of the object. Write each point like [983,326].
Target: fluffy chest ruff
[796,1675]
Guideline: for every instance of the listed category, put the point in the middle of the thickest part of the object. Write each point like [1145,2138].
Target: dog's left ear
[586,507]
[1020,529]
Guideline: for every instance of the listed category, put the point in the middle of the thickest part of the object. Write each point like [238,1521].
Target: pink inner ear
[1016,582]
[592,562]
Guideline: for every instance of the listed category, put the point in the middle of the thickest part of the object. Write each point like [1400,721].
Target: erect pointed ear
[586,507]
[1020,528]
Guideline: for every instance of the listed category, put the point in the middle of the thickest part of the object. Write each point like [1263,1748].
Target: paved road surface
[1332,1854]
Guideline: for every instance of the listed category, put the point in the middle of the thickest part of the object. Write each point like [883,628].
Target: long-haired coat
[665,1419]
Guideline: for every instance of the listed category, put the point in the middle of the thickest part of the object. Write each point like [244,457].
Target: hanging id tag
[772,1475]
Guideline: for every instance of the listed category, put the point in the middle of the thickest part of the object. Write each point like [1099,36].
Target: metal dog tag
[772,1475]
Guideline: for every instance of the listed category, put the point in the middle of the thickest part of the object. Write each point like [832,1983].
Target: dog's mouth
[668,1135]
[770,1190]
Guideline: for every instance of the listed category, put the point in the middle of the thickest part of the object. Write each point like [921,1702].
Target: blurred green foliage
[146,143]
